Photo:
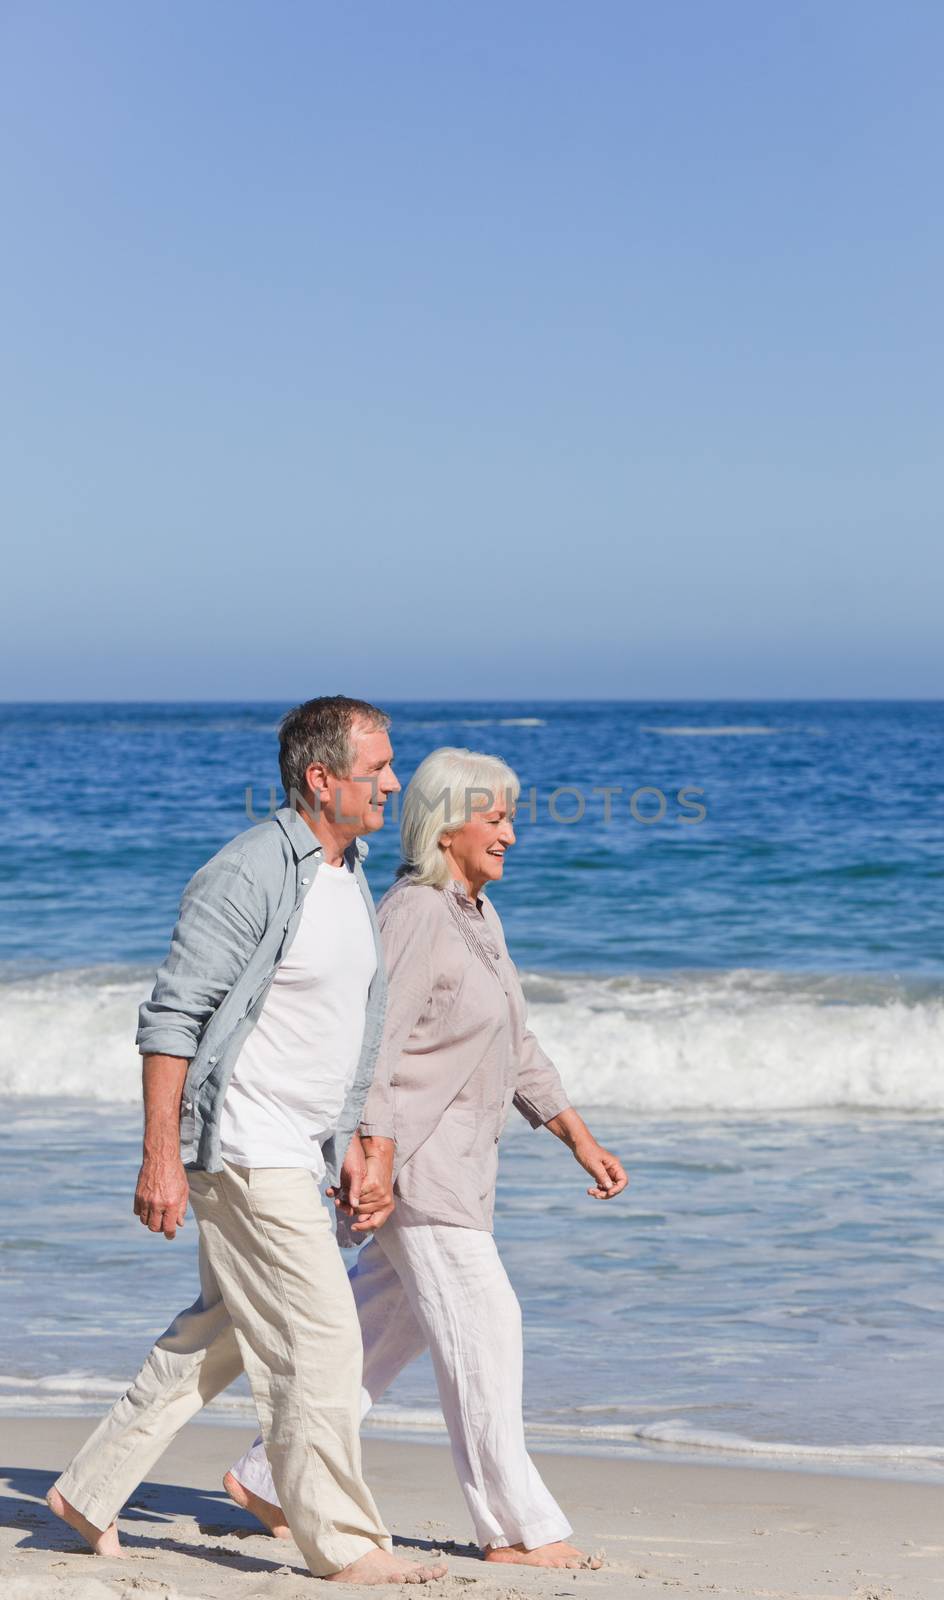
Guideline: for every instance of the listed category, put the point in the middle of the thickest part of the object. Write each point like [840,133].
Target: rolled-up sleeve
[539,1094]
[408,957]
[221,920]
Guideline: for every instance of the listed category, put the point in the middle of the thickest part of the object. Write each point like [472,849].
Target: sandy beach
[691,1530]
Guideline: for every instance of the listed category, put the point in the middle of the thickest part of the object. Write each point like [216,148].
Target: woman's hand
[605,1168]
[376,1202]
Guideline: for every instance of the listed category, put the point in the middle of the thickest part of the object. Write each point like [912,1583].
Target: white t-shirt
[296,1066]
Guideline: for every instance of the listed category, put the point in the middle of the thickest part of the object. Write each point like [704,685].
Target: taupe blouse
[456,1053]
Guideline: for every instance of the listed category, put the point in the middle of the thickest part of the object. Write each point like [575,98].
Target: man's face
[355,804]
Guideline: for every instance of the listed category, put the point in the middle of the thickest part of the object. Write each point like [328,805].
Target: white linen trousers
[440,1286]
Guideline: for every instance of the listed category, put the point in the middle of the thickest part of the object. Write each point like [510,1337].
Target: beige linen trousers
[275,1300]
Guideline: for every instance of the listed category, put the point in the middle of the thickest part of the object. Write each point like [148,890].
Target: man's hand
[346,1192]
[160,1199]
[610,1179]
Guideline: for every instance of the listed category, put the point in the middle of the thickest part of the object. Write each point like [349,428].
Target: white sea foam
[478,722]
[86,1393]
[743,1041]
[682,1436]
[72,1033]
[678,1435]
[695,732]
[731,1041]
[62,1384]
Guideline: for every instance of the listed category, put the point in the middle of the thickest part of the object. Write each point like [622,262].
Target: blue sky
[417,349]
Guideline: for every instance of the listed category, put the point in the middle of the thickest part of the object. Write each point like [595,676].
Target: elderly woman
[458,1054]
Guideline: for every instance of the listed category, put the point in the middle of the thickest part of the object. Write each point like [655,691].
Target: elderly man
[259,1043]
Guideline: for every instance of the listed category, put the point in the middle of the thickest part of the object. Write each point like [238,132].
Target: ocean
[730,924]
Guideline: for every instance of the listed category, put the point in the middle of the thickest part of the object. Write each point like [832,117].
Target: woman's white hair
[445,791]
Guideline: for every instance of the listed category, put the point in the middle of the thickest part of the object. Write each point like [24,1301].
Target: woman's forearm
[569,1127]
[377,1148]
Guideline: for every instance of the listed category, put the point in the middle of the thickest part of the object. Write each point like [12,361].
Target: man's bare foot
[271,1517]
[103,1541]
[379,1566]
[559,1554]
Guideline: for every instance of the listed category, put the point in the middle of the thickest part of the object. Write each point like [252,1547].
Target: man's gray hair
[319,732]
[444,793]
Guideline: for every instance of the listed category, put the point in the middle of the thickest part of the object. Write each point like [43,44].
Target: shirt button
[211,1060]
[304,880]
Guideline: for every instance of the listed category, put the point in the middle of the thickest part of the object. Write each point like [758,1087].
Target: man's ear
[316,776]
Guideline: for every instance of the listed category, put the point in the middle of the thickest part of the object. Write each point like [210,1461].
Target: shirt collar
[304,843]
[462,895]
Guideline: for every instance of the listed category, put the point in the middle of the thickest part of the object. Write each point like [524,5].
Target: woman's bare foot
[103,1541]
[271,1517]
[379,1566]
[559,1554]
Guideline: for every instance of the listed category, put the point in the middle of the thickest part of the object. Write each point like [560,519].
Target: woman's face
[478,847]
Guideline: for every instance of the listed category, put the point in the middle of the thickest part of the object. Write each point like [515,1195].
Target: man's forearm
[163,1082]
[160,1199]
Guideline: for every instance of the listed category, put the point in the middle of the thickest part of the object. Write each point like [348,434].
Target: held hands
[365,1189]
[377,1200]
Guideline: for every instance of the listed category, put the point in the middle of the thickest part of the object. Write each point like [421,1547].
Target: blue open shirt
[238,917]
